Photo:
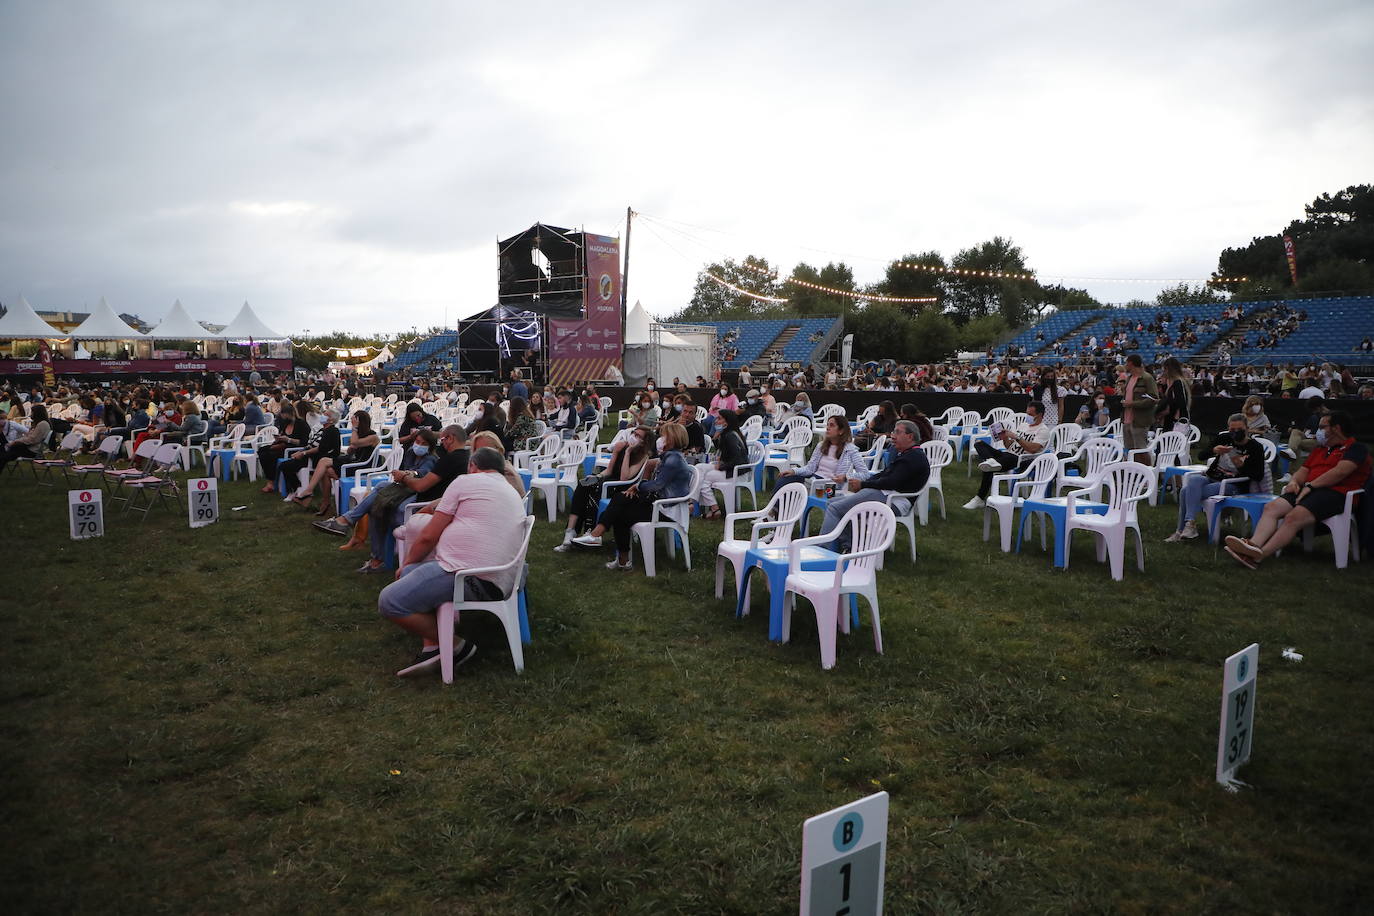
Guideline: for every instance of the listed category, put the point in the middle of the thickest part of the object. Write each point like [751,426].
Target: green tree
[980,332]
[972,295]
[712,301]
[1183,294]
[931,337]
[880,332]
[807,301]
[912,282]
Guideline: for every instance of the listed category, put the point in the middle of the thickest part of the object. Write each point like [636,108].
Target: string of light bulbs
[321,349]
[847,293]
[955,271]
[742,291]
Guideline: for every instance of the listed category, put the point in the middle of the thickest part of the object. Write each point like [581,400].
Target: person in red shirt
[1317,490]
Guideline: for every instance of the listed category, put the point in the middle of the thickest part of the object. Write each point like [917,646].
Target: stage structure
[571,280]
[492,341]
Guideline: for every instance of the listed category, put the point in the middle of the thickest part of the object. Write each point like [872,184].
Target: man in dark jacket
[907,473]
[1236,456]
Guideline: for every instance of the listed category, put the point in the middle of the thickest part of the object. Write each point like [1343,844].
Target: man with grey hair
[1235,455]
[478,523]
[907,471]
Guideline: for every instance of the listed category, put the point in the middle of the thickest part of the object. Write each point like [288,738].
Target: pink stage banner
[148,366]
[585,348]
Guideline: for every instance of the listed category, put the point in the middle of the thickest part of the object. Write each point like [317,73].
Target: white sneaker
[616,564]
[991,464]
[587,540]
[976,503]
[1189,530]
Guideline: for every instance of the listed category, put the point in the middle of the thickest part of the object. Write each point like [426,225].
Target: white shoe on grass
[976,503]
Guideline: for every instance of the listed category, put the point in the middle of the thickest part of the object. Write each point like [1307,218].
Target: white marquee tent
[178,325]
[104,324]
[246,325]
[21,322]
[665,351]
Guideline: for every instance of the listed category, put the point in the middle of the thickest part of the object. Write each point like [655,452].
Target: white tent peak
[637,329]
[21,322]
[178,325]
[104,324]
[247,324]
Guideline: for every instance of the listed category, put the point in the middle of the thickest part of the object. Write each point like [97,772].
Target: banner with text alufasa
[596,336]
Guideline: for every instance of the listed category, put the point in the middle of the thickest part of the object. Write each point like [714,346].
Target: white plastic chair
[1036,480]
[1345,546]
[248,453]
[1166,450]
[1259,492]
[1001,415]
[742,479]
[1127,484]
[546,446]
[752,429]
[940,454]
[790,452]
[562,472]
[506,609]
[772,527]
[1063,437]
[1097,455]
[823,414]
[673,516]
[872,528]
[874,455]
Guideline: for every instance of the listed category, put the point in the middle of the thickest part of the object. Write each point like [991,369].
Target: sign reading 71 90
[202,503]
[86,512]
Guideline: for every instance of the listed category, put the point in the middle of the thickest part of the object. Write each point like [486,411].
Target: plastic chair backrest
[970,419]
[572,453]
[795,426]
[1065,435]
[1098,454]
[1040,475]
[1170,449]
[872,526]
[752,429]
[1001,415]
[787,505]
[1127,482]
[940,454]
[829,410]
[868,413]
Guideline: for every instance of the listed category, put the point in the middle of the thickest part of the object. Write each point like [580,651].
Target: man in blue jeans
[907,472]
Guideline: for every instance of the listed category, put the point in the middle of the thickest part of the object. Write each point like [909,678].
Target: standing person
[1140,400]
[520,424]
[1175,398]
[1317,491]
[490,520]
[1050,395]
[518,388]
[672,479]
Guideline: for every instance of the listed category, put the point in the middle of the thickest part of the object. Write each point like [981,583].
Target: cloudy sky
[350,165]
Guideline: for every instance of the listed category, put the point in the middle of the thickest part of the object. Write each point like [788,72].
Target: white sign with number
[86,513]
[844,859]
[202,503]
[1237,733]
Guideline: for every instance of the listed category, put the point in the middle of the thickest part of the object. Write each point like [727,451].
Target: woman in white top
[836,458]
[1051,396]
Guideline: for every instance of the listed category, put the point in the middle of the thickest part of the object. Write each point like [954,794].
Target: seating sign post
[86,513]
[844,859]
[203,505]
[1237,734]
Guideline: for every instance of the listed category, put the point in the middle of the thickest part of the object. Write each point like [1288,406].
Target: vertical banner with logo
[45,357]
[1292,256]
[586,348]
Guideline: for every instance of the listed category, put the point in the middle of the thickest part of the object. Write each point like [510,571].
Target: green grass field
[208,721]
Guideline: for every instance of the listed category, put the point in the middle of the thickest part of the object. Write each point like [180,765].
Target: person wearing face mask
[627,461]
[723,399]
[672,478]
[1257,422]
[324,442]
[668,410]
[732,451]
[1235,455]
[753,406]
[643,412]
[1051,396]
[801,407]
[1338,464]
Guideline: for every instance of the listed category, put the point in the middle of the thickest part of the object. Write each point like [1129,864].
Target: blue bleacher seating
[756,335]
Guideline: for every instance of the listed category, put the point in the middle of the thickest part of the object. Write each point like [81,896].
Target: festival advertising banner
[45,363]
[586,348]
[1292,256]
[139,366]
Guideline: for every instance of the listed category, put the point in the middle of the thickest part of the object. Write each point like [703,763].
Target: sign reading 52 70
[202,503]
[86,514]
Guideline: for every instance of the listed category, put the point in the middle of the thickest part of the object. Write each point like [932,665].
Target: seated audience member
[361,445]
[801,406]
[731,452]
[672,478]
[753,407]
[415,418]
[433,448]
[925,430]
[1302,437]
[1022,445]
[427,481]
[1337,465]
[476,523]
[907,472]
[643,412]
[881,424]
[29,444]
[323,443]
[1235,454]
[628,457]
[696,436]
[253,415]
[835,458]
[587,410]
[520,425]
[292,432]
[167,418]
[192,430]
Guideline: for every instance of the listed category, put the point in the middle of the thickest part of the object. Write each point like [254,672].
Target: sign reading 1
[1237,734]
[844,859]
[203,502]
[86,514]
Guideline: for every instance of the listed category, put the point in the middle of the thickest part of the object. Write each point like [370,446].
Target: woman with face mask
[1051,395]
[724,399]
[731,451]
[628,457]
[1257,421]
[672,478]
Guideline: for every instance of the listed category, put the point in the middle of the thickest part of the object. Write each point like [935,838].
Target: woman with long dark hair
[1051,395]
[732,450]
[627,458]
